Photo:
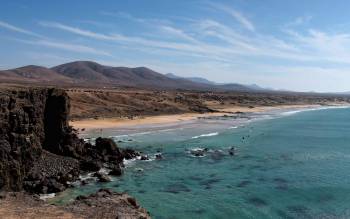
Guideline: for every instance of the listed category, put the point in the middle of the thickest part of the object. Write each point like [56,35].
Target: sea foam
[205,135]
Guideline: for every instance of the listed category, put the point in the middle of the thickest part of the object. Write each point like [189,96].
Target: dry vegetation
[95,103]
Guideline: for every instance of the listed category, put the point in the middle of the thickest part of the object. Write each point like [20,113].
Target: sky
[291,44]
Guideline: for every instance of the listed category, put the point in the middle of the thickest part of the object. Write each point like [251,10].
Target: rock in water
[102,177]
[130,154]
[144,157]
[90,165]
[106,146]
[198,152]
[116,170]
[232,151]
[159,156]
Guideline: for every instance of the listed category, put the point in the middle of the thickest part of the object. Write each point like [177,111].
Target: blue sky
[296,45]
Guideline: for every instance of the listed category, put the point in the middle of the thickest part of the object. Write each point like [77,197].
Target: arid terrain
[100,91]
[103,204]
[130,103]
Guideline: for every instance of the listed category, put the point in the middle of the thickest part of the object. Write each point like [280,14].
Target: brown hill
[83,71]
[33,74]
[92,74]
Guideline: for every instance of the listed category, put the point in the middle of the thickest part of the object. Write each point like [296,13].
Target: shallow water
[287,165]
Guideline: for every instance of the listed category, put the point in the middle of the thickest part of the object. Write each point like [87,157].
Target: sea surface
[287,164]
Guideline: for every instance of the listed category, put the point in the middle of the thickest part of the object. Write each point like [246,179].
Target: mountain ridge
[89,73]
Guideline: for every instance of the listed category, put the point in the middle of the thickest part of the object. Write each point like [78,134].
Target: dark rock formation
[22,133]
[107,204]
[59,138]
[90,165]
[102,177]
[116,170]
[144,157]
[104,204]
[38,149]
[159,156]
[51,173]
[130,154]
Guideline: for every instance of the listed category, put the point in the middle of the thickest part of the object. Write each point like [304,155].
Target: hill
[33,74]
[92,74]
[95,74]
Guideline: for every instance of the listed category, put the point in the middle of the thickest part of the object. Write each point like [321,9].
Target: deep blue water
[295,166]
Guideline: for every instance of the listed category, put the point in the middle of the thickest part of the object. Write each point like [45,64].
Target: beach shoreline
[107,123]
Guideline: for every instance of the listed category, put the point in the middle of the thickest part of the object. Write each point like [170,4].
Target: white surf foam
[292,112]
[47,196]
[205,135]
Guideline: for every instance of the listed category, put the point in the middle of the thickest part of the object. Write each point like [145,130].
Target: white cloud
[18,29]
[147,21]
[300,21]
[65,46]
[76,30]
[235,14]
[178,33]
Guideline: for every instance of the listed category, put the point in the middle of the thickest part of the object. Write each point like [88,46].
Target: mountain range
[223,85]
[92,74]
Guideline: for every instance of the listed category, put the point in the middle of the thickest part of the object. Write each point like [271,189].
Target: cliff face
[32,120]
[40,153]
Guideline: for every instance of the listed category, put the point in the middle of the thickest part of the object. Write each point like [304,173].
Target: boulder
[198,152]
[159,156]
[106,146]
[116,171]
[130,153]
[53,186]
[232,151]
[144,157]
[90,165]
[102,177]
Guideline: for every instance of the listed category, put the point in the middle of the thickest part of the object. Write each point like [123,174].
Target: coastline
[106,123]
[192,147]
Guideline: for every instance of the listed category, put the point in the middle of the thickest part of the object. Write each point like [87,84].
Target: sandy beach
[103,123]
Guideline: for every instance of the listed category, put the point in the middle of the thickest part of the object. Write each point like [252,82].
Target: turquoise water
[295,166]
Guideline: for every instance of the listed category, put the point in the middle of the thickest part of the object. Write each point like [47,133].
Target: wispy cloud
[243,20]
[76,30]
[18,29]
[177,33]
[124,15]
[234,43]
[119,38]
[223,45]
[97,23]
[65,46]
[45,41]
[299,21]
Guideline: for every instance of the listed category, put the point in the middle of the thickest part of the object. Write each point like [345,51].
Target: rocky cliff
[31,120]
[38,150]
[40,153]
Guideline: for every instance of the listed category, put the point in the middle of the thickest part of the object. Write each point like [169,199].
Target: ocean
[286,164]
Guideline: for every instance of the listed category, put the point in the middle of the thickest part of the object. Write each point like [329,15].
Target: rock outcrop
[26,128]
[39,151]
[107,204]
[102,204]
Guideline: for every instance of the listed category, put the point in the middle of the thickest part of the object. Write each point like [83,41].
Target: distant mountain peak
[194,79]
